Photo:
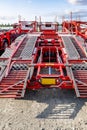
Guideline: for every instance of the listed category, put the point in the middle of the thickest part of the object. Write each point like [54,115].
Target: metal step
[14,85]
[80,77]
[81,81]
[10,86]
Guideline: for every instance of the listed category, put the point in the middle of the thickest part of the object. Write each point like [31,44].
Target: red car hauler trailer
[45,59]
[75,27]
[7,37]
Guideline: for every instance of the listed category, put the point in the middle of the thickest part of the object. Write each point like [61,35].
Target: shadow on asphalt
[61,104]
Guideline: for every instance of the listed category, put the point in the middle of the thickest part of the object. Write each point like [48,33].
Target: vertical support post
[49,70]
[71,21]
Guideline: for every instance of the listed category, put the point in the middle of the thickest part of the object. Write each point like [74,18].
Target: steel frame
[51,63]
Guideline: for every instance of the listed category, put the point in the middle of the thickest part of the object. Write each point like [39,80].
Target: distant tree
[5,25]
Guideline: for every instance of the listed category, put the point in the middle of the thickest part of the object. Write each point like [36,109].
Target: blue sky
[48,9]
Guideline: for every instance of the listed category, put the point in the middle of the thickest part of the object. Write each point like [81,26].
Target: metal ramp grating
[20,49]
[81,53]
[28,49]
[70,48]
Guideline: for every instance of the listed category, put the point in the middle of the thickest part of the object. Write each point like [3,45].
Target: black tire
[5,44]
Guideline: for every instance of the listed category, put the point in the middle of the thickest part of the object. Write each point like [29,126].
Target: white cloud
[66,13]
[81,2]
[76,14]
[81,13]
[72,1]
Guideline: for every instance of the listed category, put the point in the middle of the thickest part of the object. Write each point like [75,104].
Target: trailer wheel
[5,44]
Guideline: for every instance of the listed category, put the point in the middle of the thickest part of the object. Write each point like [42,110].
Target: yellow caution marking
[48,81]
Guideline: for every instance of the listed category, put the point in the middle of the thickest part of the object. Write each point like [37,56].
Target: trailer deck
[43,59]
